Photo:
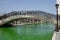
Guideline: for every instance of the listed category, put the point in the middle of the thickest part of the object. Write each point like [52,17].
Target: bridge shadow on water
[6,25]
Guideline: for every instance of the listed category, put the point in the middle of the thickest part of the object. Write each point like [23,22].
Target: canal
[28,32]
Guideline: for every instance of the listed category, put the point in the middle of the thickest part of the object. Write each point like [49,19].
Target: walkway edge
[54,35]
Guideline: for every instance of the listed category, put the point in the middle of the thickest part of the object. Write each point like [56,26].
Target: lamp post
[57,5]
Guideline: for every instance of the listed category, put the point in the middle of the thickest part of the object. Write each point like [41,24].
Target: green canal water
[28,32]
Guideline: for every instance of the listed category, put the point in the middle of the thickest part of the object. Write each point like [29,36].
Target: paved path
[56,36]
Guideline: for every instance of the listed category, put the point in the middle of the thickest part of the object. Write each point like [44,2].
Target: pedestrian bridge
[39,18]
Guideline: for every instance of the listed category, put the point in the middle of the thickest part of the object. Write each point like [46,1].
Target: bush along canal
[28,32]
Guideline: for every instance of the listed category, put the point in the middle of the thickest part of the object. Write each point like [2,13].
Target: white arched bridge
[39,18]
[27,17]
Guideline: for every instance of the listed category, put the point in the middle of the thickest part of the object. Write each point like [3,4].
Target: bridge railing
[37,13]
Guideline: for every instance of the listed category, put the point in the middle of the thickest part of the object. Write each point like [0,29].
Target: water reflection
[28,32]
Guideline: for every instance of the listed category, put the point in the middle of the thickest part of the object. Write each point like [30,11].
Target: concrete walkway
[56,36]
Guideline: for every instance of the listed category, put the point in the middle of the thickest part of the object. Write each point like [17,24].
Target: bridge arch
[28,14]
[14,17]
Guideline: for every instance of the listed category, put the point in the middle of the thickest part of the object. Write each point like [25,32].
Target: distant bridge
[3,21]
[32,16]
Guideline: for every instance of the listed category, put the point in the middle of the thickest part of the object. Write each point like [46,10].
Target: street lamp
[57,5]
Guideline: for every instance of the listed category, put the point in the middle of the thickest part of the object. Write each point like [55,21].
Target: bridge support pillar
[15,22]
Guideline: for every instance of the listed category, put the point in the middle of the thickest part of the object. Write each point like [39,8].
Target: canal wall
[54,35]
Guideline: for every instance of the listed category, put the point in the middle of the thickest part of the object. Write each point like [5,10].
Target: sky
[7,6]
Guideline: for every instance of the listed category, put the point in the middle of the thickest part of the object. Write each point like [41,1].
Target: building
[58,2]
